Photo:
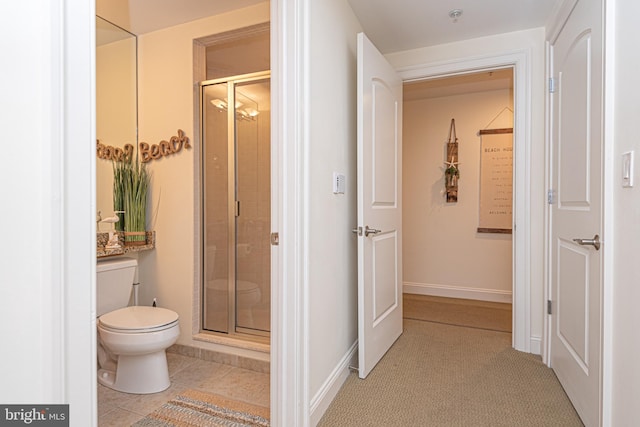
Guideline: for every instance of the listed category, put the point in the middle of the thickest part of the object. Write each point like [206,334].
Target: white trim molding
[521,62]
[328,391]
[610,182]
[289,276]
[463,292]
[73,175]
[536,345]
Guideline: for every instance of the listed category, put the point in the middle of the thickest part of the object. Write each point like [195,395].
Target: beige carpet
[195,409]
[443,375]
[494,316]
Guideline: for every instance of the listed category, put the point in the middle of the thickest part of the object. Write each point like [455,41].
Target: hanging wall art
[452,172]
[496,181]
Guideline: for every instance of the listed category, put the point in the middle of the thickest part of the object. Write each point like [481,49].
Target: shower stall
[236,204]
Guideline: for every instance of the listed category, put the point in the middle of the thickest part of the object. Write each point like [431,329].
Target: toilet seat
[244,287]
[138,319]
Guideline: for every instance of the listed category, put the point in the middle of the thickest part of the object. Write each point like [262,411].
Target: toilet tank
[114,280]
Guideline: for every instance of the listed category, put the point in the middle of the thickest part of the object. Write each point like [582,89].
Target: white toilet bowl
[131,348]
[248,295]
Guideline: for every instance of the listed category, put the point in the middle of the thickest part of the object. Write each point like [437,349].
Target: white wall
[532,41]
[166,103]
[332,263]
[47,261]
[624,218]
[24,191]
[443,254]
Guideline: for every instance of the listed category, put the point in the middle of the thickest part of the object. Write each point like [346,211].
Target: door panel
[573,278]
[575,105]
[385,278]
[385,145]
[253,193]
[215,193]
[576,274]
[379,203]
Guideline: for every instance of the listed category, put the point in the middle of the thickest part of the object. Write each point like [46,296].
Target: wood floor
[493,316]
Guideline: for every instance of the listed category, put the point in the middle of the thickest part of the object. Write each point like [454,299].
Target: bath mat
[196,408]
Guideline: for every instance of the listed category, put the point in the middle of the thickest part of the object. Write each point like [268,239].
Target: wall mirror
[116,104]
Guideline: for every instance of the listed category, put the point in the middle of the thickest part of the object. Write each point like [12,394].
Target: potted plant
[130,190]
[118,194]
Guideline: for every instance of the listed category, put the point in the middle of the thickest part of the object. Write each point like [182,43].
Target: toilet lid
[138,318]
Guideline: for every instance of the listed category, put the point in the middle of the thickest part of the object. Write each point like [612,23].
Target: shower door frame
[232,202]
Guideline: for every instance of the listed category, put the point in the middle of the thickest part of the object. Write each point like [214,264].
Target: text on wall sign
[107,152]
[164,148]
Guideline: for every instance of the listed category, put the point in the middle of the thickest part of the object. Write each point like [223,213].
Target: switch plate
[627,169]
[338,183]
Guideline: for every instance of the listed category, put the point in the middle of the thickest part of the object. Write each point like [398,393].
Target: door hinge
[552,85]
[551,197]
[237,207]
[275,239]
[549,307]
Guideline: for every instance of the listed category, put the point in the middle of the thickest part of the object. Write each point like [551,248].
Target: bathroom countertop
[103,237]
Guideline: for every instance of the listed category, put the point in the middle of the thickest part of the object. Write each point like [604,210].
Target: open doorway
[446,251]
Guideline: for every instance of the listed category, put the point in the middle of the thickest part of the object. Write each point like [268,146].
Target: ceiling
[399,25]
[145,16]
[392,25]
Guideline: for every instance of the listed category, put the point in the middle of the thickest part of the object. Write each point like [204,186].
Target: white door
[379,205]
[576,212]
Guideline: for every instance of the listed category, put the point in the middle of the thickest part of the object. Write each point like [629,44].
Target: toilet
[248,294]
[131,339]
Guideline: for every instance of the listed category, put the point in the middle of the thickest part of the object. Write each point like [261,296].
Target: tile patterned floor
[117,409]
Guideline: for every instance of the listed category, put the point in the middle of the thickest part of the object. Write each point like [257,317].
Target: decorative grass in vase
[131,180]
[118,194]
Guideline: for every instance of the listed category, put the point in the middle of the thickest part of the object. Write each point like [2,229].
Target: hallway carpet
[443,375]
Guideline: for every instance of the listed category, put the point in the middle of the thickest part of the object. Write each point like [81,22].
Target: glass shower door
[236,177]
[253,193]
[217,227]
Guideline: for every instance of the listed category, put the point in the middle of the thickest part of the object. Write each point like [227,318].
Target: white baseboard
[457,292]
[323,398]
[535,345]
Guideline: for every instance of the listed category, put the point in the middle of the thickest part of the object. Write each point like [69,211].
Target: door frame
[520,62]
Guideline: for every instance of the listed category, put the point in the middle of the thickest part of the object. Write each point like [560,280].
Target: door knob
[595,242]
[368,231]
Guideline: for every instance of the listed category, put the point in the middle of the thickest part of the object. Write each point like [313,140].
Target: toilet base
[138,374]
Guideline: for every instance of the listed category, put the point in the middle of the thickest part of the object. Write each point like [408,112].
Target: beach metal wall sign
[164,148]
[108,152]
[146,151]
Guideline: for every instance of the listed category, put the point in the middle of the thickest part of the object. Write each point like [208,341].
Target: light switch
[627,169]
[338,183]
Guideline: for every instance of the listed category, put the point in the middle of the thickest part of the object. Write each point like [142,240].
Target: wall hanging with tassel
[452,172]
